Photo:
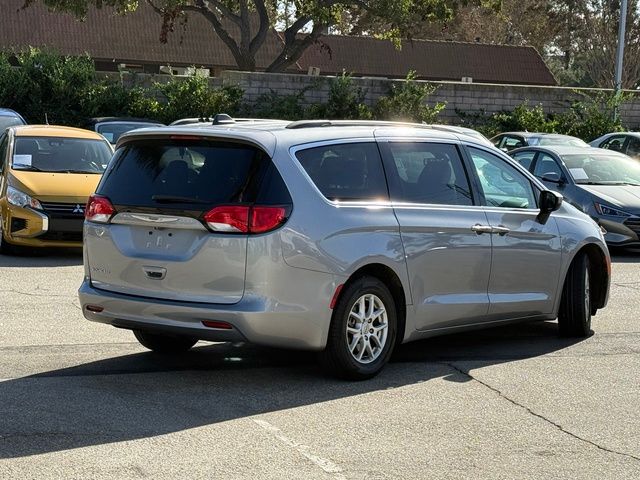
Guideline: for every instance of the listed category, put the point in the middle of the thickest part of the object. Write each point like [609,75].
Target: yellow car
[46,176]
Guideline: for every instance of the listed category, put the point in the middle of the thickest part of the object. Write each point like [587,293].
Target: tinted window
[348,171]
[502,184]
[57,154]
[633,147]
[525,158]
[511,143]
[113,131]
[547,166]
[190,174]
[428,173]
[614,143]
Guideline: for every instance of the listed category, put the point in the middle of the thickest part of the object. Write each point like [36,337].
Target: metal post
[620,53]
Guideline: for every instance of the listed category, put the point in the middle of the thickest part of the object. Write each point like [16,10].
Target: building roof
[432,60]
[132,38]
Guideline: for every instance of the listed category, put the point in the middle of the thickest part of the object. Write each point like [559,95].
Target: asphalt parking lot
[83,400]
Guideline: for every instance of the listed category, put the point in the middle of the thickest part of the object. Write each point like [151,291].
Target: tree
[303,21]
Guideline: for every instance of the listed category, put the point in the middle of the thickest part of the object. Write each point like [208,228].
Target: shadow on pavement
[43,257]
[94,404]
[624,255]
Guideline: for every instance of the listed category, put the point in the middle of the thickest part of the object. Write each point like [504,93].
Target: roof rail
[353,123]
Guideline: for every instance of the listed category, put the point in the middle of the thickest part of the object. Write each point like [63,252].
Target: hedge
[66,90]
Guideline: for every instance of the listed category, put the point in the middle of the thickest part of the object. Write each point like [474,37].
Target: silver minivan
[346,238]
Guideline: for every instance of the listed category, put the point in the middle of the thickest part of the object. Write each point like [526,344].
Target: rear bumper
[254,319]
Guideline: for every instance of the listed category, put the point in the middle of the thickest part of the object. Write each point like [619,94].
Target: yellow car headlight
[21,199]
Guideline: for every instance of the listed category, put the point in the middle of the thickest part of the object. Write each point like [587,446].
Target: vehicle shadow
[144,395]
[43,257]
[624,255]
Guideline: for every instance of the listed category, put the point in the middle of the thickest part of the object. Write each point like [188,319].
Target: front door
[526,259]
[443,230]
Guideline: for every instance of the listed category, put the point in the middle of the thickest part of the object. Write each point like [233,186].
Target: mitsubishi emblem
[78,208]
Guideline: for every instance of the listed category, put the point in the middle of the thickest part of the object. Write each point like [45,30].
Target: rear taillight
[264,219]
[245,219]
[99,209]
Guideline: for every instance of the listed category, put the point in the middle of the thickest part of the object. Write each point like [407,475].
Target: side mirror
[549,201]
[551,177]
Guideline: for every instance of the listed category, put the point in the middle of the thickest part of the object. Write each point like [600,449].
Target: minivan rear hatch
[170,218]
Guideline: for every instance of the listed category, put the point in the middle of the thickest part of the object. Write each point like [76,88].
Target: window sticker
[24,160]
[579,174]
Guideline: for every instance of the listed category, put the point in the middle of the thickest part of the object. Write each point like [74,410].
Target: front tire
[362,332]
[574,317]
[167,344]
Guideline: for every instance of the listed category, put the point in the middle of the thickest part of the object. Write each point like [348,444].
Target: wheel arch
[391,279]
[599,271]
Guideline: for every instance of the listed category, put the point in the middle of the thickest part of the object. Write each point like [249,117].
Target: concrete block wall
[464,97]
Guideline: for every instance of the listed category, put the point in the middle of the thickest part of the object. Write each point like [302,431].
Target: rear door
[157,243]
[443,229]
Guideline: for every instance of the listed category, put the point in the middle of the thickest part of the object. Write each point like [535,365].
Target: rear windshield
[57,154]
[113,131]
[184,174]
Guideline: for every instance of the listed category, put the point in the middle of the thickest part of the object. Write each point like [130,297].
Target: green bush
[407,102]
[194,97]
[593,116]
[525,118]
[276,105]
[345,101]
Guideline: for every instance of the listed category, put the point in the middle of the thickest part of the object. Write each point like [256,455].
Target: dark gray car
[602,183]
[343,238]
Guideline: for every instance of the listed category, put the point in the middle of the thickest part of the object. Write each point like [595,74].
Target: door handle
[480,229]
[500,230]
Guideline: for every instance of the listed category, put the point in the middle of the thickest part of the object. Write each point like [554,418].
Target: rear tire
[362,332]
[574,317]
[165,343]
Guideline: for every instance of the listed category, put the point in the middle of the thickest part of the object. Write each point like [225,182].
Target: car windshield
[6,122]
[58,154]
[558,140]
[113,131]
[603,169]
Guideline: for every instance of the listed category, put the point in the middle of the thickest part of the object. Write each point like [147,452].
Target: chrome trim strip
[158,221]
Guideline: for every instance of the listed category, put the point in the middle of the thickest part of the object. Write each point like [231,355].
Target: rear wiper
[175,199]
[22,166]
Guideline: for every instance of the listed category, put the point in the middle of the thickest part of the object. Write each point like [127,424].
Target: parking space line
[327,465]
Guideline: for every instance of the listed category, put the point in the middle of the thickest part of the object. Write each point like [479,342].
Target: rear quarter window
[346,171]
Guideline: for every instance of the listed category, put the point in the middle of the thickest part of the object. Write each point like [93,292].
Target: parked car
[603,184]
[112,127]
[511,140]
[47,175]
[339,237]
[9,118]
[623,142]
